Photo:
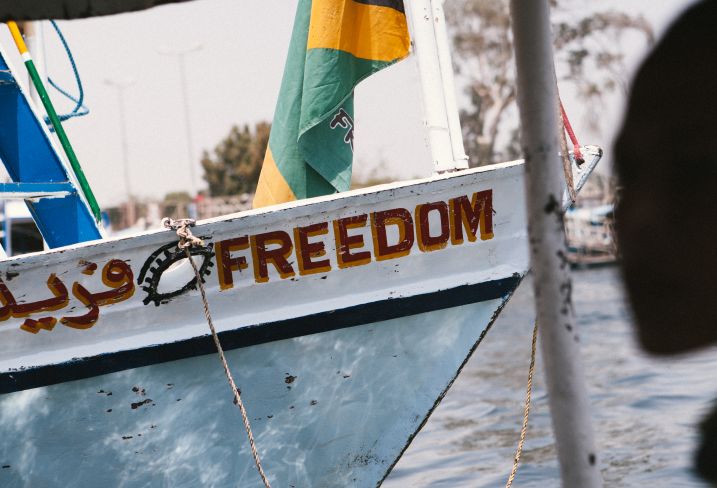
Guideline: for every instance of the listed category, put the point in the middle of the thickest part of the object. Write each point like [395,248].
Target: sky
[233,75]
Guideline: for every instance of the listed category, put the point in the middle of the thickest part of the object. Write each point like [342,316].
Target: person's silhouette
[666,160]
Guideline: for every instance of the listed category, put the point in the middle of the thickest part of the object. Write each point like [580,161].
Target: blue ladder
[39,174]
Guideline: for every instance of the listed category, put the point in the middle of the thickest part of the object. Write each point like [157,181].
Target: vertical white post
[449,91]
[34,35]
[3,233]
[35,40]
[537,100]
[435,69]
[187,126]
[8,234]
[181,54]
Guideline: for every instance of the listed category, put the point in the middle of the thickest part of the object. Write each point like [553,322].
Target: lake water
[644,409]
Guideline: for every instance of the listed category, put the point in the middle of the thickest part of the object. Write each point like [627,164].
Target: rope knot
[181,226]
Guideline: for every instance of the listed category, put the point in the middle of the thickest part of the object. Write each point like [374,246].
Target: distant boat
[590,235]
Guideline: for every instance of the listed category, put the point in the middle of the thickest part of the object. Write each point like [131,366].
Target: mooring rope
[563,125]
[526,411]
[573,139]
[186,241]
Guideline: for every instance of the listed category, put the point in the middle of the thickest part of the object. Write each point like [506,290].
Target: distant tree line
[588,56]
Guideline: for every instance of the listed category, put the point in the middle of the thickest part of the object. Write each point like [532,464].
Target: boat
[344,318]
[590,235]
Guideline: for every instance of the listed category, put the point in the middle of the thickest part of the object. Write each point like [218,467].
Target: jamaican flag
[335,44]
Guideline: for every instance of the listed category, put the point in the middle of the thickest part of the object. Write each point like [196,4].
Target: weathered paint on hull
[341,350]
[327,410]
[102,307]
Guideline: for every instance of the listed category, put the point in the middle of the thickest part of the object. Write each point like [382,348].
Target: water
[644,409]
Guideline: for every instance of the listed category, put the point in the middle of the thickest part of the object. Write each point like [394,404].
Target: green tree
[588,55]
[181,197]
[236,163]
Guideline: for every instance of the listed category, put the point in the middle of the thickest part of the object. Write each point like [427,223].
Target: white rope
[186,241]
[526,412]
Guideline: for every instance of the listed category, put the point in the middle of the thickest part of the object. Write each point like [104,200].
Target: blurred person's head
[666,159]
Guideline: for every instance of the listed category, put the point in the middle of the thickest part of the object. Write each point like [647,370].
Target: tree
[587,54]
[181,197]
[237,160]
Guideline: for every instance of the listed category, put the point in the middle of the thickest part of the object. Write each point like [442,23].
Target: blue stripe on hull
[257,334]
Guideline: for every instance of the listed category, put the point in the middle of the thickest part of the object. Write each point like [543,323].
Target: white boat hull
[327,410]
[345,319]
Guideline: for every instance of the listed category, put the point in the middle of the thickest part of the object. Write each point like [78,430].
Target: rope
[526,413]
[186,241]
[80,108]
[574,140]
[567,164]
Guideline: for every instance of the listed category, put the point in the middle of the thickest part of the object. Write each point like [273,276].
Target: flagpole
[34,38]
[445,65]
[435,70]
[537,99]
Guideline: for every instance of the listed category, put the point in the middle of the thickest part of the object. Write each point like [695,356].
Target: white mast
[35,40]
[430,43]
[537,99]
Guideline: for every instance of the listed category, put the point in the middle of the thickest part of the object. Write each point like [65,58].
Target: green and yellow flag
[335,44]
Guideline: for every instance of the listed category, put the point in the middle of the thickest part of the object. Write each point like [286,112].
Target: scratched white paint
[358,395]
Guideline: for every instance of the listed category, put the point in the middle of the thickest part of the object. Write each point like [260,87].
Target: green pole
[55,120]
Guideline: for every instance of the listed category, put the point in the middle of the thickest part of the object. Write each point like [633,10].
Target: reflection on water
[645,409]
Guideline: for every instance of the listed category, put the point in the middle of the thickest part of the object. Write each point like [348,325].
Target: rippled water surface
[644,409]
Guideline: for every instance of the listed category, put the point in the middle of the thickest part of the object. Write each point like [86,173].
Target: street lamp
[181,54]
[121,85]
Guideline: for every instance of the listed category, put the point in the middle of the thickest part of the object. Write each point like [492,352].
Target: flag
[334,45]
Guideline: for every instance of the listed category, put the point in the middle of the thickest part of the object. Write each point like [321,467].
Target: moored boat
[345,319]
[590,235]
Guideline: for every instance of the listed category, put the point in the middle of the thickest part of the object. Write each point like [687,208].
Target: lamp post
[121,85]
[181,55]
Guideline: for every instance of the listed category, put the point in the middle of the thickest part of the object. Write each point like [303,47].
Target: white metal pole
[8,234]
[187,126]
[460,159]
[123,138]
[436,119]
[537,99]
[35,40]
[181,54]
[121,85]
[4,235]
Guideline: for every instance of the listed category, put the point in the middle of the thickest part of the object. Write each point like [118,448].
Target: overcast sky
[232,79]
